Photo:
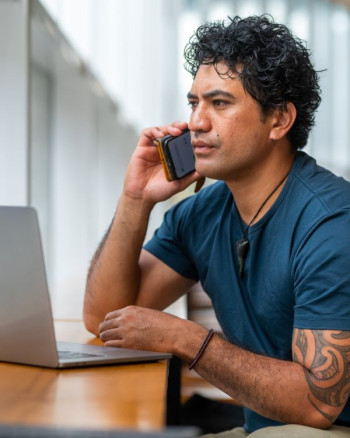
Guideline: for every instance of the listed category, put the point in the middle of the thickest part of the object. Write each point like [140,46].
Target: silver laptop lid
[27,334]
[26,325]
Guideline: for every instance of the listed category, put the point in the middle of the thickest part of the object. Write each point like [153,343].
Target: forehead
[209,78]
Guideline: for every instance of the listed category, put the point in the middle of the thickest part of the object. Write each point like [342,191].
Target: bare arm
[114,275]
[310,390]
[120,269]
[325,357]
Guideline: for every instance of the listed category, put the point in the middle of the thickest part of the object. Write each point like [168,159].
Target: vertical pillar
[14,114]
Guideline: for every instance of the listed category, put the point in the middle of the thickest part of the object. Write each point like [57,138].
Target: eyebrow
[210,94]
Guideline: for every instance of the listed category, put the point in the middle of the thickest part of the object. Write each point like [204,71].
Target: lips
[200,146]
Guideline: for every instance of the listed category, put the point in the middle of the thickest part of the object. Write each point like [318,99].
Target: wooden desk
[103,397]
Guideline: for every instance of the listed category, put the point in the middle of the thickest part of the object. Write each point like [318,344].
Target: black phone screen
[181,152]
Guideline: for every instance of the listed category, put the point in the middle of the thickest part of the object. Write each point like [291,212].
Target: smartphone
[176,155]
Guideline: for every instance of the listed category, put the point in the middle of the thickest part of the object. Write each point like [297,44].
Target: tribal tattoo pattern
[325,356]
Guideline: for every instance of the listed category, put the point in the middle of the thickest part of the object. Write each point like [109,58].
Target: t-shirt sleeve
[321,271]
[170,242]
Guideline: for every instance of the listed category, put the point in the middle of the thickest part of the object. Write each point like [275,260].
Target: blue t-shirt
[297,269]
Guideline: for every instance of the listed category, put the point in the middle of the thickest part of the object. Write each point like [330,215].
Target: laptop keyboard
[63,354]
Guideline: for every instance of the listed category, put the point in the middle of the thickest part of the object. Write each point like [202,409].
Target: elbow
[91,319]
[91,323]
[317,423]
[320,417]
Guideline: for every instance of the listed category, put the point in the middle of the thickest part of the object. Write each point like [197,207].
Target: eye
[219,102]
[192,104]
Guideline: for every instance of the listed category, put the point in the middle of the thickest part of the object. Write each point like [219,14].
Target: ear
[283,121]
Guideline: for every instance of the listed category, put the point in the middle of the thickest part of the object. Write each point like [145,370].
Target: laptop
[27,334]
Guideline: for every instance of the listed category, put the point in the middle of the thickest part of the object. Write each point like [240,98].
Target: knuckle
[146,131]
[130,310]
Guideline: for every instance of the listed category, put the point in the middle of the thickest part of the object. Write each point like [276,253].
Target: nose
[199,120]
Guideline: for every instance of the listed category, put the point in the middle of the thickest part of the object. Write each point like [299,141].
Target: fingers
[175,128]
[112,335]
[116,326]
[126,328]
[114,314]
[116,343]
[152,133]
[109,327]
[108,330]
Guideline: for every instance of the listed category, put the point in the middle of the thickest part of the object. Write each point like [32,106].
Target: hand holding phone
[176,155]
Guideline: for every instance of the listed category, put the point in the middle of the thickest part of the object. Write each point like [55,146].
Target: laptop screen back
[26,325]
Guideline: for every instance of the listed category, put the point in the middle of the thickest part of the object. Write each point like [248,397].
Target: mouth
[200,147]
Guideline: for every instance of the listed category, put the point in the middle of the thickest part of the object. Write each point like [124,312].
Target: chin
[209,173]
[207,169]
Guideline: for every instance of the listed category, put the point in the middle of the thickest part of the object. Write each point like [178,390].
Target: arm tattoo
[325,356]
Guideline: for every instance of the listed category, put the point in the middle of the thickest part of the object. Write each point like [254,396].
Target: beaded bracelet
[201,350]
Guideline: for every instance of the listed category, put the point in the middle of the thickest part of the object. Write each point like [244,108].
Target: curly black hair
[273,65]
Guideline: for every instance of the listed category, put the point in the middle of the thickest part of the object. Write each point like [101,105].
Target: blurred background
[79,79]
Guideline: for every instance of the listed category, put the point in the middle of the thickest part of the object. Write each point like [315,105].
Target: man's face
[230,137]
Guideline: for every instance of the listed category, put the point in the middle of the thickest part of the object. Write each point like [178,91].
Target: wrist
[189,342]
[135,205]
[202,349]
[131,218]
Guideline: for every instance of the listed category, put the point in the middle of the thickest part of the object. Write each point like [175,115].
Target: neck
[251,190]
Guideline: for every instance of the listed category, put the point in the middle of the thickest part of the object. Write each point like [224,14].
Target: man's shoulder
[205,206]
[314,182]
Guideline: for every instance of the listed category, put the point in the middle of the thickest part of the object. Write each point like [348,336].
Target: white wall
[14,125]
[77,175]
[90,152]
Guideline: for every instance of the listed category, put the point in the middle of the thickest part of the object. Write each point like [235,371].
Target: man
[269,241]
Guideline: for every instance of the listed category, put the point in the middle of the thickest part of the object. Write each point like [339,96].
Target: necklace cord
[261,206]
[242,245]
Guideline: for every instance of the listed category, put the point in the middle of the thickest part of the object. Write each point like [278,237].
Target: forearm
[274,388]
[113,278]
[310,390]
